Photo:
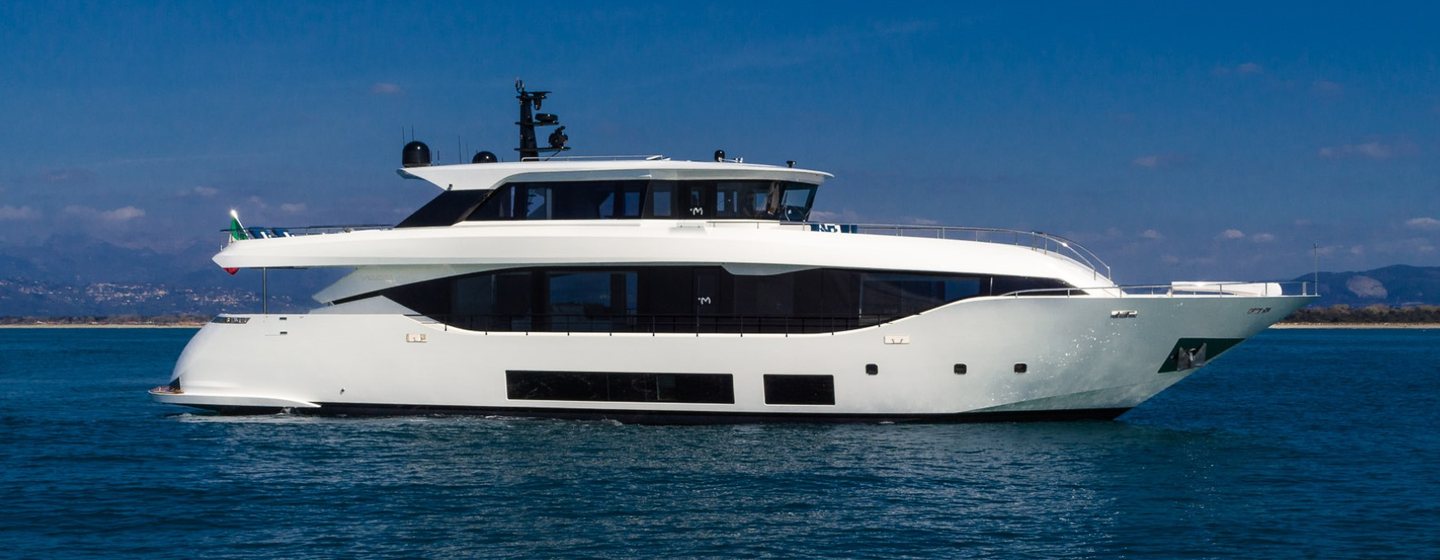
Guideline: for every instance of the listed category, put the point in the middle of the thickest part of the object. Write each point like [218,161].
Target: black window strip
[589,386]
[690,299]
[800,389]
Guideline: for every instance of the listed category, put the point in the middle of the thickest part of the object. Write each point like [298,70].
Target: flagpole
[264,291]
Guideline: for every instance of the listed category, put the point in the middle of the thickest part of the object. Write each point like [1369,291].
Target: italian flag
[237,233]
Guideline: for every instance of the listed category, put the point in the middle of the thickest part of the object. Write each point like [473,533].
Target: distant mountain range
[83,277]
[1396,285]
[76,276]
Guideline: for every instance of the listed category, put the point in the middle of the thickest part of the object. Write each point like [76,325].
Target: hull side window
[800,389]
[704,388]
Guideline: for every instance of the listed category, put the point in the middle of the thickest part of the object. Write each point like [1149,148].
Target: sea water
[1299,443]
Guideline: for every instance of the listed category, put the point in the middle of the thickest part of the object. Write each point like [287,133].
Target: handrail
[634,157]
[1045,242]
[276,232]
[1284,288]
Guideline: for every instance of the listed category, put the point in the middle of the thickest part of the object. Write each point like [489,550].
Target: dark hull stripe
[679,417]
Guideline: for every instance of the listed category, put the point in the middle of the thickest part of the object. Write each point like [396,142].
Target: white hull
[1033,327]
[1080,361]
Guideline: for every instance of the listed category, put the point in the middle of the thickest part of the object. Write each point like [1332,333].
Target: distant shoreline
[98,325]
[1355,326]
[102,326]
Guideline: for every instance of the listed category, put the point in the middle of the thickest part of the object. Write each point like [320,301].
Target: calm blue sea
[1296,444]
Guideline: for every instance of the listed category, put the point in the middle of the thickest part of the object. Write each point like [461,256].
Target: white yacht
[655,290]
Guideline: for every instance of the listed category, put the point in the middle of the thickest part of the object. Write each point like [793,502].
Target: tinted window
[799,389]
[796,201]
[690,299]
[445,210]
[745,199]
[695,200]
[620,387]
[589,200]
[591,301]
[500,205]
[893,295]
[660,200]
[535,202]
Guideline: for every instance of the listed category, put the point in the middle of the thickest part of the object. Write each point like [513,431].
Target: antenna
[531,101]
[1315,251]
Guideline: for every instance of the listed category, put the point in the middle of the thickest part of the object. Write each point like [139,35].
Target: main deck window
[605,200]
[715,388]
[689,299]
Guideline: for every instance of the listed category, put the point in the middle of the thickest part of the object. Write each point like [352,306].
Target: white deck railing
[1044,242]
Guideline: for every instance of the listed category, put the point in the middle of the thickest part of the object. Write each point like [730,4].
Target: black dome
[416,154]
[484,157]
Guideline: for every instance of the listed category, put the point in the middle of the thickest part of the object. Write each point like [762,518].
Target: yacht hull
[1023,358]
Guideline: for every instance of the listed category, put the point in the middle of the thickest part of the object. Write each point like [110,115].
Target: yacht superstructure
[649,289]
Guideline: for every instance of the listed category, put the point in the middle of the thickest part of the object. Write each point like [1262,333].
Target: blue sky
[1198,141]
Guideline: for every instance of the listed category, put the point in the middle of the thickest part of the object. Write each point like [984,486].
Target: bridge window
[591,200]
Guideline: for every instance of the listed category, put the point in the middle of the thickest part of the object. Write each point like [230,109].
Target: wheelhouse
[741,199]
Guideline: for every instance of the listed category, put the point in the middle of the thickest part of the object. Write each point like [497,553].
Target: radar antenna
[531,101]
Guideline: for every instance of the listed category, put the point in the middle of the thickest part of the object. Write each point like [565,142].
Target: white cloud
[292,207]
[1373,149]
[1262,237]
[1150,162]
[205,191]
[11,213]
[1151,234]
[908,27]
[1423,224]
[1243,69]
[386,88]
[1153,161]
[1232,234]
[122,214]
[846,215]
[69,175]
[1327,87]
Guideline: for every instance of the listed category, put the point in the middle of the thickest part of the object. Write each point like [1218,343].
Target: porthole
[960,369]
[872,369]
[1021,368]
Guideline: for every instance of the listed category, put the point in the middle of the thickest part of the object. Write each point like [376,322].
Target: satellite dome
[416,154]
